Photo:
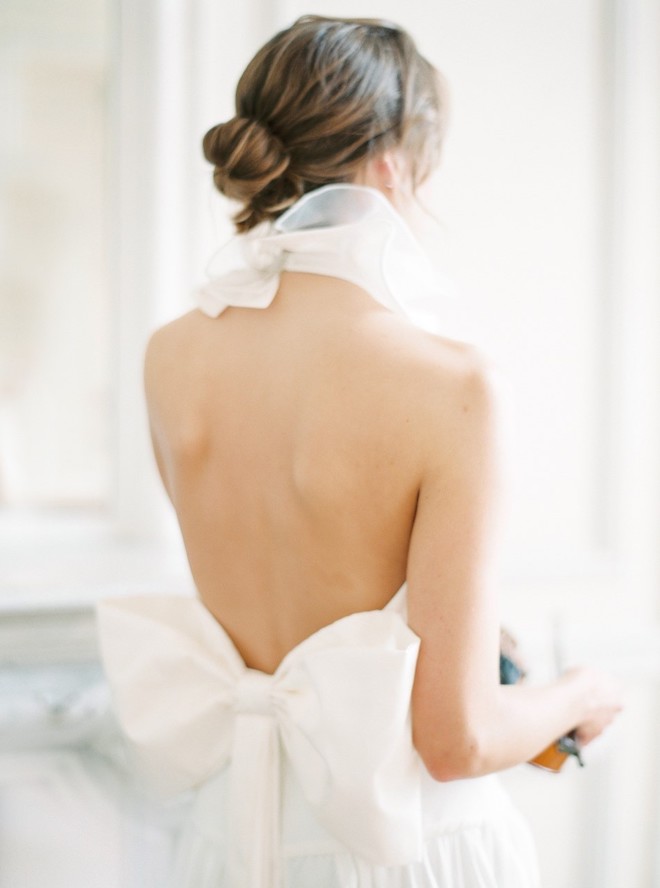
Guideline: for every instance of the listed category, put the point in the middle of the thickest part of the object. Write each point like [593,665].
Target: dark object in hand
[511,672]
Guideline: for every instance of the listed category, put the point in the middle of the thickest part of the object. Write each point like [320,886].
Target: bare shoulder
[456,363]
[166,358]
[164,342]
[441,372]
[167,352]
[458,391]
[463,373]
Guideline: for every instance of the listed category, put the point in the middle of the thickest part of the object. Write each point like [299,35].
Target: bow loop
[243,272]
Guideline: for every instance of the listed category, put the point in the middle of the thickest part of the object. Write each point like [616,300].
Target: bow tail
[254,803]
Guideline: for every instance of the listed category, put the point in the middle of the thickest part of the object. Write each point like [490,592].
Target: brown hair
[316,101]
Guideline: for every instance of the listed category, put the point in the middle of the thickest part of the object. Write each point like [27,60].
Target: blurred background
[549,203]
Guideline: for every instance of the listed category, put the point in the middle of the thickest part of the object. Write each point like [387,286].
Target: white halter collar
[347,231]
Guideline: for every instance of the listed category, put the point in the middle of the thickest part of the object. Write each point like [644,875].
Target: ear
[385,171]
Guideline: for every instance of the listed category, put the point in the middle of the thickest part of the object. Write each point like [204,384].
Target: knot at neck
[254,693]
[262,252]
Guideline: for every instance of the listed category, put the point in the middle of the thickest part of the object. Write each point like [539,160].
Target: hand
[603,700]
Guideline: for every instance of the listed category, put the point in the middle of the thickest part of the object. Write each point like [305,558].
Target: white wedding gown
[306,778]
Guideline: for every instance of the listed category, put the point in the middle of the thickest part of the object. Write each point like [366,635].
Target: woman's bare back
[291,441]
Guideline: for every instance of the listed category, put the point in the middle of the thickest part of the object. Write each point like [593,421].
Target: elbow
[447,769]
[459,760]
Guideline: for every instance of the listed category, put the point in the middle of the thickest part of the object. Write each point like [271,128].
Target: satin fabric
[339,703]
[308,776]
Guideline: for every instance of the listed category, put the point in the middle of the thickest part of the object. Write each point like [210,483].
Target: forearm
[511,725]
[506,725]
[527,719]
[519,723]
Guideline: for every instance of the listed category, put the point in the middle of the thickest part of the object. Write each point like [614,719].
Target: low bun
[319,100]
[251,167]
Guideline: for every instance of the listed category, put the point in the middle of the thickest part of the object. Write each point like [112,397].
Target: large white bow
[339,704]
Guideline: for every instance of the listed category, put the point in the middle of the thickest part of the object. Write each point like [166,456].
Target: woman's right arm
[465,723]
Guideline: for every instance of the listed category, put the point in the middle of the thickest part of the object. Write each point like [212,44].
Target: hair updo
[315,103]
